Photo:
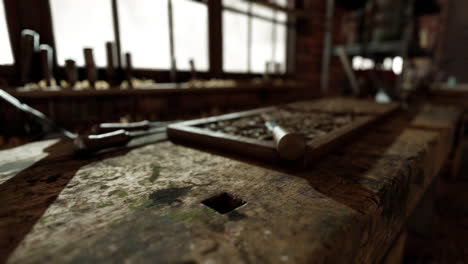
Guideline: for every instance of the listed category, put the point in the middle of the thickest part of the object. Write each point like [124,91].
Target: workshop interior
[234,131]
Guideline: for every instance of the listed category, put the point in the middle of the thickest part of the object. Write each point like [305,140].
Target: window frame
[8,72]
[250,15]
[15,23]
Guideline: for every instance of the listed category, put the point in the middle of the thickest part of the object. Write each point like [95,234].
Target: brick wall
[453,56]
[310,44]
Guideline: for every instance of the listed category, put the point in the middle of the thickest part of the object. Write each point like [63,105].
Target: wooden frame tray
[364,113]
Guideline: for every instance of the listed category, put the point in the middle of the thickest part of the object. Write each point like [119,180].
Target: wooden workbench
[144,205]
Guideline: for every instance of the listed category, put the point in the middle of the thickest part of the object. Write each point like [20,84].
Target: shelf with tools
[194,87]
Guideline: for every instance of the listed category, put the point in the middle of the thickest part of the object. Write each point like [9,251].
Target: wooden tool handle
[91,72]
[29,45]
[108,127]
[290,146]
[46,56]
[71,72]
[111,52]
[129,69]
[92,143]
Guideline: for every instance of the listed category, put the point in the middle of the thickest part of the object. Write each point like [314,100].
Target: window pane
[144,31]
[6,56]
[235,42]
[190,34]
[80,24]
[281,16]
[262,44]
[280,48]
[241,5]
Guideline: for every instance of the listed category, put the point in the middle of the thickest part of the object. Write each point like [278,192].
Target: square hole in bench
[223,203]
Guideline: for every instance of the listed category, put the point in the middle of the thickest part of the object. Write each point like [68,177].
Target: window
[190,34]
[235,43]
[254,36]
[6,56]
[280,47]
[262,44]
[80,24]
[144,31]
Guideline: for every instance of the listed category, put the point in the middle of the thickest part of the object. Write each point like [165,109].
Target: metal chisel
[83,143]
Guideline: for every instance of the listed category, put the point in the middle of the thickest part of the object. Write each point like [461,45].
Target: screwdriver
[290,146]
[95,142]
[141,125]
[38,115]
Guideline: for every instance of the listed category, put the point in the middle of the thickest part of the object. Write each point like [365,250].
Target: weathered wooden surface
[397,252]
[144,205]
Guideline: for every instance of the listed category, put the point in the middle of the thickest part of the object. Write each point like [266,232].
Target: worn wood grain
[145,206]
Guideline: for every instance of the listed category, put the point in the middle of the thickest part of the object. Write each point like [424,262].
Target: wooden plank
[444,119]
[396,254]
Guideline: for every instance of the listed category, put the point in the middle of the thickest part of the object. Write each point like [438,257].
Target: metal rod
[249,38]
[327,45]
[115,16]
[38,115]
[171,41]
[273,39]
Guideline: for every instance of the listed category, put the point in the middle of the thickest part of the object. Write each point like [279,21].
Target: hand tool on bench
[117,138]
[290,146]
[82,143]
[111,69]
[28,49]
[141,125]
[39,116]
[129,70]
[91,72]
[46,55]
[71,72]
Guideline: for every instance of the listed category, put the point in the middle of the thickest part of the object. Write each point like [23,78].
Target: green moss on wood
[102,205]
[156,171]
[119,193]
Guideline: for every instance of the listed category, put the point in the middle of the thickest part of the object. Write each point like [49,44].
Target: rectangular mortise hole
[223,203]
